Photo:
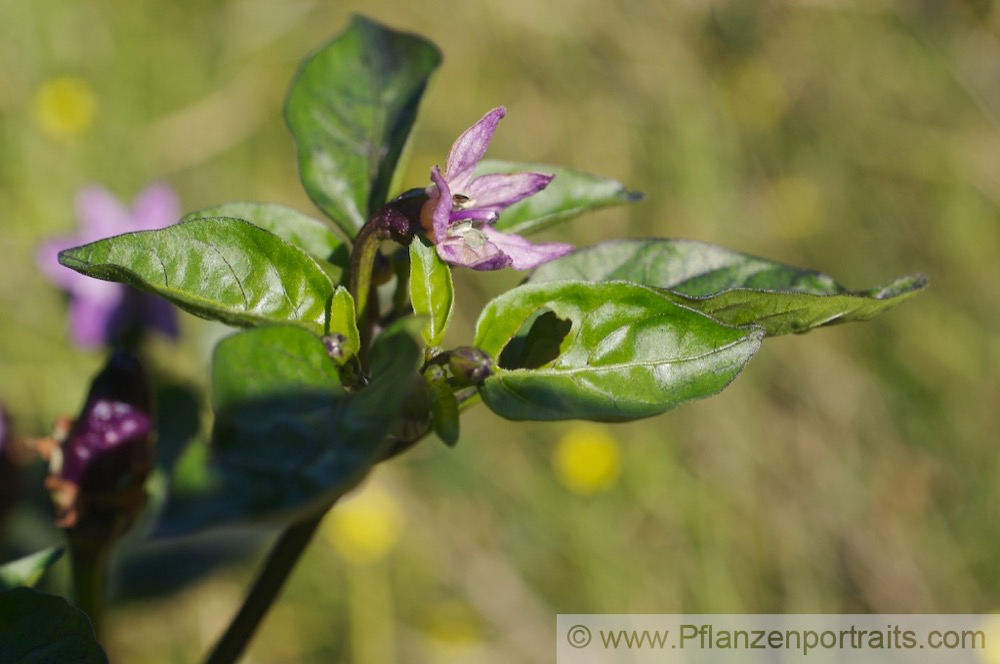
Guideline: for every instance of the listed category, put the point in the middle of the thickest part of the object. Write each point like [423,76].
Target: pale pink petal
[156,206]
[523,254]
[487,256]
[470,147]
[499,190]
[47,260]
[442,206]
[90,319]
[101,214]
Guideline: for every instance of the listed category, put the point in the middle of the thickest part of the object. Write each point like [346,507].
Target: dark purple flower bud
[399,219]
[469,366]
[96,476]
[6,435]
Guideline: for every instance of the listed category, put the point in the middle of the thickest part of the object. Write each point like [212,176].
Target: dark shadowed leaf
[570,194]
[629,352]
[218,268]
[288,440]
[38,628]
[311,235]
[350,110]
[734,288]
[431,290]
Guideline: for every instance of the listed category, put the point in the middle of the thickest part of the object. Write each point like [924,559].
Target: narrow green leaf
[287,440]
[311,235]
[734,288]
[444,406]
[28,571]
[35,627]
[624,352]
[343,321]
[217,268]
[431,290]
[350,110]
[569,195]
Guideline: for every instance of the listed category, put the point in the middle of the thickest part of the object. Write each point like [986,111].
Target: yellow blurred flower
[991,627]
[64,106]
[586,460]
[364,529]
[453,623]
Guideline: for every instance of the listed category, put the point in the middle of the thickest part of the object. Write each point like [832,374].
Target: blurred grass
[853,470]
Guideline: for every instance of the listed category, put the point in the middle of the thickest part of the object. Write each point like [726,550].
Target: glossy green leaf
[311,235]
[218,268]
[623,352]
[570,194]
[28,571]
[431,290]
[38,628]
[270,361]
[343,321]
[350,110]
[734,288]
[287,440]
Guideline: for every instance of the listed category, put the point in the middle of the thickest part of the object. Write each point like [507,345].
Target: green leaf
[623,352]
[218,268]
[444,413]
[270,361]
[570,194]
[443,405]
[733,288]
[37,628]
[28,571]
[431,290]
[343,321]
[311,235]
[287,440]
[350,110]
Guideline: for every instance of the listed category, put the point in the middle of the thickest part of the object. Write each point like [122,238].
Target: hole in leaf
[537,342]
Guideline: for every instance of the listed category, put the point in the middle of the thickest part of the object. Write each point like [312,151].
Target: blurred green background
[850,471]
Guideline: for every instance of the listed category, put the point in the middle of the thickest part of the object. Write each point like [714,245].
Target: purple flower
[461,209]
[100,467]
[102,311]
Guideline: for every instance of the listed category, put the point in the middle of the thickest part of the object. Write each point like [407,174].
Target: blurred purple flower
[461,209]
[101,311]
[108,450]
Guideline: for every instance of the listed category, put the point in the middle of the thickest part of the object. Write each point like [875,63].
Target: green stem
[90,572]
[283,557]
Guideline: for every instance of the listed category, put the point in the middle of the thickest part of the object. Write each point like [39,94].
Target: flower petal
[500,190]
[47,260]
[470,147]
[523,254]
[154,208]
[101,214]
[90,319]
[487,256]
[440,198]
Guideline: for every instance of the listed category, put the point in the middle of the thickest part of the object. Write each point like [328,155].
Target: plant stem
[283,557]
[90,573]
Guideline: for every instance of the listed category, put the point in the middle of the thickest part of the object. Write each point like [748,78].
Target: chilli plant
[338,361]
